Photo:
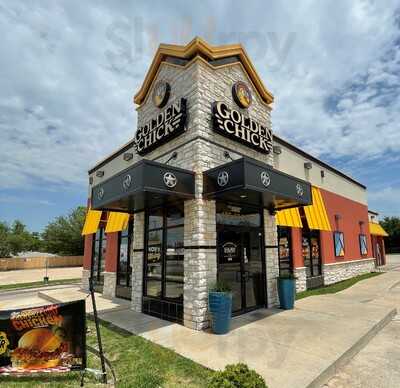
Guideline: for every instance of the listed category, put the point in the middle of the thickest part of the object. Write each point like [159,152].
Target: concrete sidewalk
[36,275]
[299,348]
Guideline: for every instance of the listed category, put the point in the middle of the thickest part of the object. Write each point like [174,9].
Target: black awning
[249,182]
[145,184]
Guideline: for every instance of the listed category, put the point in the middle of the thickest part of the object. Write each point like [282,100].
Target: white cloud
[70,69]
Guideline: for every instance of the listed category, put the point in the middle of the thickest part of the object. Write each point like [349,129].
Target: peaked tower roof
[199,47]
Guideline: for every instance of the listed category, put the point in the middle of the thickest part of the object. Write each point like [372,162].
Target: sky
[69,70]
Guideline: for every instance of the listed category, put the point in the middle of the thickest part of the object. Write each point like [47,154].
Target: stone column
[137,257]
[200,265]
[271,258]
[110,282]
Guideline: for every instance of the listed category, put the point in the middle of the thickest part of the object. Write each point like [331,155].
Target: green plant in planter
[288,276]
[236,376]
[220,286]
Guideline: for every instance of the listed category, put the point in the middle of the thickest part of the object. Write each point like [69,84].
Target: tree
[4,243]
[392,227]
[17,238]
[63,235]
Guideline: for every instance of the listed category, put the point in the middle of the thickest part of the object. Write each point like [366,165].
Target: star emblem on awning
[170,180]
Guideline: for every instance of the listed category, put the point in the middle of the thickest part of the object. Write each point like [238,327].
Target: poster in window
[47,339]
[230,253]
[339,244]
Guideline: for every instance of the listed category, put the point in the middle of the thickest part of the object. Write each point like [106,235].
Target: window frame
[342,243]
[285,231]
[129,238]
[164,228]
[98,239]
[360,236]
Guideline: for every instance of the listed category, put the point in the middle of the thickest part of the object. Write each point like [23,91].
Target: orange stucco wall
[111,252]
[350,214]
[296,248]
[87,256]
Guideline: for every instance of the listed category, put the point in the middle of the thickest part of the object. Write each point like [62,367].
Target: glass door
[240,265]
[230,264]
[124,269]
[312,258]
[252,272]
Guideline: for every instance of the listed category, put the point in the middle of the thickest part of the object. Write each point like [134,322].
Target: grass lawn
[39,284]
[137,363]
[333,288]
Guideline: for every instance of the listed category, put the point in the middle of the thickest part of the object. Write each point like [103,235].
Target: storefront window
[363,244]
[311,253]
[339,244]
[98,256]
[285,251]
[164,264]
[124,273]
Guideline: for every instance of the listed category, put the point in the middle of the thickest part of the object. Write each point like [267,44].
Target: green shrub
[237,376]
[220,286]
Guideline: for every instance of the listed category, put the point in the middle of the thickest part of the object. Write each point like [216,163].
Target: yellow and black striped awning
[317,217]
[289,217]
[92,222]
[116,222]
[377,230]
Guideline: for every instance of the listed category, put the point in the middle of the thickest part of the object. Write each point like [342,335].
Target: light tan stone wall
[137,256]
[271,257]
[336,272]
[200,265]
[110,282]
[301,281]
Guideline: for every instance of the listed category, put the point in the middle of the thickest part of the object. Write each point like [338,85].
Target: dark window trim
[98,240]
[129,237]
[288,229]
[163,247]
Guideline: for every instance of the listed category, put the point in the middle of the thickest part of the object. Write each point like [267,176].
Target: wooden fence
[14,263]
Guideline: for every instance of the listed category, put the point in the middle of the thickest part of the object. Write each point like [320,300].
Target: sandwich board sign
[49,338]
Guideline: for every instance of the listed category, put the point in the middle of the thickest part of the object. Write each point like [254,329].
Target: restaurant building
[205,190]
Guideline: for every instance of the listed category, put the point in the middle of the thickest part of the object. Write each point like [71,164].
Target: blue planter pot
[287,293]
[220,308]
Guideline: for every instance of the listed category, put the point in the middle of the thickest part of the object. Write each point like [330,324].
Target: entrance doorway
[240,259]
[312,258]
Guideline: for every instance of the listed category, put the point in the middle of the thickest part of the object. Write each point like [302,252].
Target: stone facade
[200,265]
[336,272]
[110,282]
[85,279]
[137,257]
[271,257]
[301,281]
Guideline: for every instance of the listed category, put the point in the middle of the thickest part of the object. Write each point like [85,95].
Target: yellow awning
[92,222]
[316,215]
[116,222]
[289,217]
[377,230]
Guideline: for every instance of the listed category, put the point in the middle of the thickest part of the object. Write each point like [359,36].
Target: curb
[44,296]
[332,370]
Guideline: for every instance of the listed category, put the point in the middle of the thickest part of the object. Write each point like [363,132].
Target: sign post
[96,322]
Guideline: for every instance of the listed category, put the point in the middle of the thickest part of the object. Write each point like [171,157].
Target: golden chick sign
[48,338]
[239,127]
